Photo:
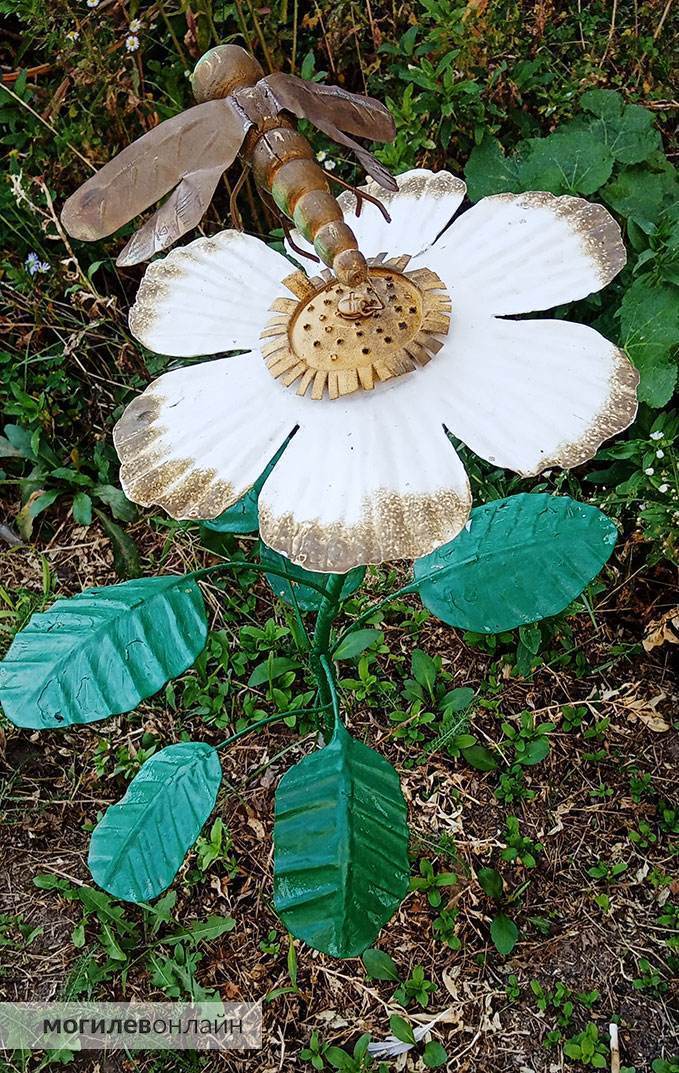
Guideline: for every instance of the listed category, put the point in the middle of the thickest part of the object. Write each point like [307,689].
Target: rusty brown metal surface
[336,341]
[239,112]
[208,135]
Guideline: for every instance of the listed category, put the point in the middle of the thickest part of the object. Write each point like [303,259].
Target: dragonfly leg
[360,196]
[285,223]
[236,218]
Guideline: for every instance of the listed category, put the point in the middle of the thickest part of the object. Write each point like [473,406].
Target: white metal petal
[209,296]
[532,394]
[515,253]
[424,204]
[366,481]
[197,439]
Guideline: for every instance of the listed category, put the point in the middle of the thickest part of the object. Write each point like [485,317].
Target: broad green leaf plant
[341,837]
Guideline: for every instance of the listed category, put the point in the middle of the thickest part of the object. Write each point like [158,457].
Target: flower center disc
[344,340]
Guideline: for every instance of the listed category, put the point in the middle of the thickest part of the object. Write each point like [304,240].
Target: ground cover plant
[556,732]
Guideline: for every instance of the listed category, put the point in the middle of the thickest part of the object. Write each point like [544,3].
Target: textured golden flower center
[341,340]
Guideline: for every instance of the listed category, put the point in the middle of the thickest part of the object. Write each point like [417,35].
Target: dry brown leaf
[645,712]
[664,630]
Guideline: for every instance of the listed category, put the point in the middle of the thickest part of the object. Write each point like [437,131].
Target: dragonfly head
[223,70]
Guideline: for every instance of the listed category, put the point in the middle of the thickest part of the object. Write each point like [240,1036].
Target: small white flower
[34,265]
[93,3]
[72,36]
[663,488]
[656,435]
[329,165]
[649,471]
[321,155]
[131,42]
[135,26]
[660,454]
[370,474]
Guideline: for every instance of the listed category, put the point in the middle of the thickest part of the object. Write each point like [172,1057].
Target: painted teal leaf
[340,847]
[243,516]
[138,847]
[519,560]
[101,652]
[295,590]
[649,328]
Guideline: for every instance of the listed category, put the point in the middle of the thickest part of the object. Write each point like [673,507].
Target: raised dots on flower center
[337,340]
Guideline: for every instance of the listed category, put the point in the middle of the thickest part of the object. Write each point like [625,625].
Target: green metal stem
[412,586]
[330,679]
[270,719]
[261,568]
[321,655]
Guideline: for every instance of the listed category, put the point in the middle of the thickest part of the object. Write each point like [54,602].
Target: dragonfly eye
[222,71]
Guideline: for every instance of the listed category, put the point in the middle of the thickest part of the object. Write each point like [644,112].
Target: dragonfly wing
[368,162]
[363,116]
[183,210]
[208,134]
[333,110]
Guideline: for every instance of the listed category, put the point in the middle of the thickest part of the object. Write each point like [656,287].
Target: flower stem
[261,568]
[321,655]
[412,586]
[270,719]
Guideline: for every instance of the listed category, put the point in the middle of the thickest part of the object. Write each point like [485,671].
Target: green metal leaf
[101,652]
[140,844]
[243,516]
[340,840]
[295,590]
[519,560]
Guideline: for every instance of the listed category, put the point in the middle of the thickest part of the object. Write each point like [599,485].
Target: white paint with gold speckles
[372,476]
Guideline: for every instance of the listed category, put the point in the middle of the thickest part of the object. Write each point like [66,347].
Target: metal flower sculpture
[370,474]
[329,432]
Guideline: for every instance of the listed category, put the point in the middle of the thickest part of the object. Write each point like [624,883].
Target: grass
[558,819]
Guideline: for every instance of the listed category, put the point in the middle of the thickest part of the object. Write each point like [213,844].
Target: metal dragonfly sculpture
[239,111]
